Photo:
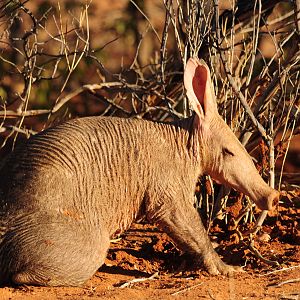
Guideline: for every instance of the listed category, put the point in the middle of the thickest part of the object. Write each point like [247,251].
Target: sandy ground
[144,264]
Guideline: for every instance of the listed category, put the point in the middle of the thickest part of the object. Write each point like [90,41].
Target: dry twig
[137,280]
[280,270]
[186,289]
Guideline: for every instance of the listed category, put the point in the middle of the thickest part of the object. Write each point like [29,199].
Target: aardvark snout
[269,201]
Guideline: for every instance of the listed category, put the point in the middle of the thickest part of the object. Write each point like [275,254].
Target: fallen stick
[265,260]
[186,289]
[280,270]
[286,282]
[136,280]
[116,240]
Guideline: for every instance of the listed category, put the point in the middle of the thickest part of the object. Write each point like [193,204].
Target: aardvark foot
[215,266]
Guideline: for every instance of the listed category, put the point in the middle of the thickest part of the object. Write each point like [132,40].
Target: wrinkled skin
[231,164]
[67,190]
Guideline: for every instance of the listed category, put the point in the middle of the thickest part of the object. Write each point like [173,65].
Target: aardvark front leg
[185,227]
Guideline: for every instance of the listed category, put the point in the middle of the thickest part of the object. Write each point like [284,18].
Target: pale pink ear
[199,88]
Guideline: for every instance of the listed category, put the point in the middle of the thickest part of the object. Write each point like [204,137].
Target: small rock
[264,237]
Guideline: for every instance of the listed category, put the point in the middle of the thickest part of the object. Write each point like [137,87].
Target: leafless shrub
[32,55]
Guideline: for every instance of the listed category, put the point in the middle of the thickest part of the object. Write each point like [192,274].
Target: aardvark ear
[199,88]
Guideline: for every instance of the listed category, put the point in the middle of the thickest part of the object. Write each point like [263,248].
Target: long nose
[268,202]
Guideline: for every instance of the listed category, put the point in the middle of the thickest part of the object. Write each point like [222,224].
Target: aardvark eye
[226,151]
